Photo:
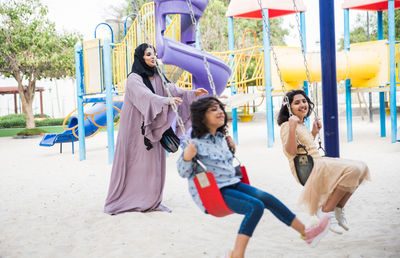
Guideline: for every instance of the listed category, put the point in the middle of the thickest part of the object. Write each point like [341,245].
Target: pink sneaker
[315,233]
[228,254]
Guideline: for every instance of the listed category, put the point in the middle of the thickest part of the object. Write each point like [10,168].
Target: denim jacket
[214,153]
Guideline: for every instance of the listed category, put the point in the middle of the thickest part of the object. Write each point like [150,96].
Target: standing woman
[332,180]
[138,172]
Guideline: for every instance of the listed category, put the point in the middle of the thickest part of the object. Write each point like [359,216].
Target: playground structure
[94,121]
[102,66]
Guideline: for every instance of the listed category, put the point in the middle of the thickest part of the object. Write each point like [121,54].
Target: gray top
[214,153]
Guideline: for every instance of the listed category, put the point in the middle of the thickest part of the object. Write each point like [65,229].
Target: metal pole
[382,114]
[349,115]
[303,35]
[80,92]
[109,100]
[371,117]
[392,67]
[231,41]
[268,84]
[328,70]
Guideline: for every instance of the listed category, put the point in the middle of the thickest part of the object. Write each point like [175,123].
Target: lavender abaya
[138,175]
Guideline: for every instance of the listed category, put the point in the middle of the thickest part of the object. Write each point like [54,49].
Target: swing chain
[267,26]
[206,64]
[303,51]
[164,81]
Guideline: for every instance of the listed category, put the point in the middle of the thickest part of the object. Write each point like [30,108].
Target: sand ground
[52,204]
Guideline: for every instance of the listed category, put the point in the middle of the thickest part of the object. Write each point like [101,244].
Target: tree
[359,31]
[31,49]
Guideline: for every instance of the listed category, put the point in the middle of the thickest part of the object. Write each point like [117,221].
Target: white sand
[51,204]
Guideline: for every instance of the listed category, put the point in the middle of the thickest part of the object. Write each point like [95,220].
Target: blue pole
[80,93]
[349,115]
[328,70]
[109,100]
[231,41]
[268,84]
[382,114]
[111,30]
[126,19]
[304,47]
[392,73]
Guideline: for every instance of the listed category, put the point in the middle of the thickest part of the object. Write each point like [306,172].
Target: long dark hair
[283,115]
[198,111]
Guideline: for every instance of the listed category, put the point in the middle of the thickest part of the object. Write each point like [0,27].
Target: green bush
[30,132]
[13,121]
[116,118]
[44,116]
[51,122]
[19,121]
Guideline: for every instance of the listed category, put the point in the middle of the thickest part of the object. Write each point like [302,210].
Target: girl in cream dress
[332,180]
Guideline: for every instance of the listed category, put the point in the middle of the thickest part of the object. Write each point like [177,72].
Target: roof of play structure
[368,5]
[251,10]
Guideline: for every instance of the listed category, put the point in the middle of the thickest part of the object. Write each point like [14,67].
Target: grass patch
[9,132]
[31,132]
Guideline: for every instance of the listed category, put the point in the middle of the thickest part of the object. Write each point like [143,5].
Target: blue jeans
[250,201]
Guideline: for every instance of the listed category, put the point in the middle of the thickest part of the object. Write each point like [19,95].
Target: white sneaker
[339,214]
[334,223]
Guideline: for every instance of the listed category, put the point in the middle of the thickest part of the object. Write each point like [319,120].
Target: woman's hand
[200,92]
[294,121]
[231,143]
[176,100]
[189,152]
[316,126]
[291,144]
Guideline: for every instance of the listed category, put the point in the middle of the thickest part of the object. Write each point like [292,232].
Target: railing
[247,68]
[122,53]
[247,64]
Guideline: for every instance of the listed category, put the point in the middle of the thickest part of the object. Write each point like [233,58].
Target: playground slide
[95,119]
[185,55]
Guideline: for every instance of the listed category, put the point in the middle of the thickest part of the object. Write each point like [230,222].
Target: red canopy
[369,5]
[250,9]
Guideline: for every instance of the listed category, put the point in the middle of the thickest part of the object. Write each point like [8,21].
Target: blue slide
[91,125]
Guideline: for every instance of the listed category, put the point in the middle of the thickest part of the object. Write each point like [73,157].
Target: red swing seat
[210,194]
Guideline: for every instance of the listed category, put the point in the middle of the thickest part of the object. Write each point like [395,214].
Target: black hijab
[140,67]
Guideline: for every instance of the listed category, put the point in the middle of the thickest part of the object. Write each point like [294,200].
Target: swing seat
[211,196]
[245,178]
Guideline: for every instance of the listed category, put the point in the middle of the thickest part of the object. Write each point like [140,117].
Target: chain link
[206,64]
[303,51]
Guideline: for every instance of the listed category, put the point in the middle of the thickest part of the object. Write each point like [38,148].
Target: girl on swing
[332,180]
[214,149]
